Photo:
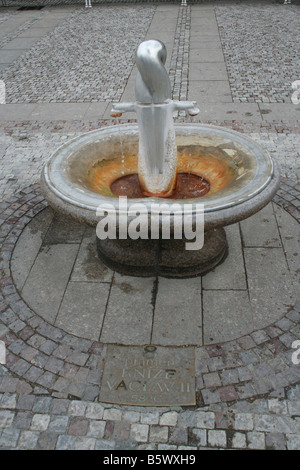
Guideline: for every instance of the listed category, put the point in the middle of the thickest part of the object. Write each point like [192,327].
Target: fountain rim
[54,192]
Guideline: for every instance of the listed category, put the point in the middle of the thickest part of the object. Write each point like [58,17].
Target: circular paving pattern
[48,357]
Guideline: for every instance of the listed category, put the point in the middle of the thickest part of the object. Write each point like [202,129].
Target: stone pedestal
[167,258]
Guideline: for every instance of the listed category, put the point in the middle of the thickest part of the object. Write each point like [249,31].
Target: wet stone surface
[65,283]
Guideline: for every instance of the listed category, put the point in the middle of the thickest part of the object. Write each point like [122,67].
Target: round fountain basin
[241,176]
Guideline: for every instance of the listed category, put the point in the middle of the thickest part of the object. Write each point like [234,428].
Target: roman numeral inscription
[148,375]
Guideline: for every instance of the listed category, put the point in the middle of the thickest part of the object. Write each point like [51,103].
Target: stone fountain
[164,170]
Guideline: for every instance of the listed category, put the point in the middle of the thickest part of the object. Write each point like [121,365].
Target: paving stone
[9,438]
[76,408]
[205,420]
[178,436]
[96,429]
[94,411]
[256,440]
[293,442]
[85,443]
[289,231]
[266,238]
[63,230]
[65,442]
[212,379]
[123,320]
[173,322]
[264,423]
[28,440]
[112,414]
[169,418]
[58,424]
[239,440]
[25,402]
[78,426]
[40,422]
[47,281]
[82,309]
[267,267]
[275,441]
[42,404]
[6,418]
[88,267]
[139,432]
[159,434]
[150,418]
[47,441]
[28,246]
[217,438]
[231,320]
[231,273]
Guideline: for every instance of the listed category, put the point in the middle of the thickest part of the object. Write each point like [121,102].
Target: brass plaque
[148,375]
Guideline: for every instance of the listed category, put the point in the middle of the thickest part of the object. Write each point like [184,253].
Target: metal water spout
[157,159]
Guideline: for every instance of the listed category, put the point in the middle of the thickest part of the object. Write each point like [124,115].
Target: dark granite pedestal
[168,258]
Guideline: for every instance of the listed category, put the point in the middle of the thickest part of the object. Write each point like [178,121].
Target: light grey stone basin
[65,184]
[243,179]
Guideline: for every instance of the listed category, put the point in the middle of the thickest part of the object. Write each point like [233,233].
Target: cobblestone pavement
[247,388]
[258,69]
[75,67]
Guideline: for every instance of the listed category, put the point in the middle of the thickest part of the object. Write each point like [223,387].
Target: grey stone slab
[206,55]
[280,111]
[149,376]
[64,229]
[14,22]
[47,22]
[207,71]
[202,11]
[229,111]
[204,26]
[208,91]
[290,236]
[20,43]
[227,315]
[178,317]
[57,111]
[34,32]
[15,112]
[88,266]
[261,229]
[82,309]
[28,246]
[97,110]
[270,285]
[47,281]
[129,314]
[231,273]
[9,56]
[209,42]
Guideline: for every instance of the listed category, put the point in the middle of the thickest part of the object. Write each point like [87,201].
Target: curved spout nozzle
[119,108]
[189,106]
